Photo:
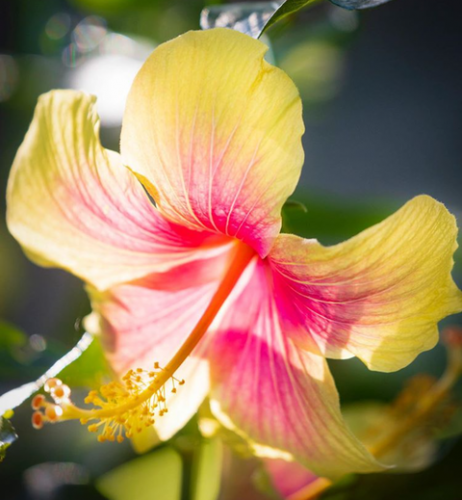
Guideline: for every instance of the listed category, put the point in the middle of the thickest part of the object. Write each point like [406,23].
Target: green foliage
[332,220]
[454,428]
[291,6]
[12,342]
[7,436]
[157,475]
[206,476]
[295,205]
[247,17]
[89,370]
[358,4]
[287,8]
[441,481]
[263,483]
[11,337]
[83,365]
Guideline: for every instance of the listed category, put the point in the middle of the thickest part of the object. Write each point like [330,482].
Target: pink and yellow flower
[178,240]
[403,433]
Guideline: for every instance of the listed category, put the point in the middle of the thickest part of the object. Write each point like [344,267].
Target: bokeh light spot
[8,76]
[89,33]
[58,26]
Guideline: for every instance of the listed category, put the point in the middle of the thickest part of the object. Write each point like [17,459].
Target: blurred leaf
[370,420]
[295,205]
[358,4]
[454,428]
[143,441]
[206,477]
[439,482]
[11,337]
[291,6]
[290,206]
[12,280]
[263,483]
[333,220]
[316,66]
[7,436]
[106,6]
[156,476]
[89,369]
[210,427]
[287,8]
[248,17]
[17,396]
[404,433]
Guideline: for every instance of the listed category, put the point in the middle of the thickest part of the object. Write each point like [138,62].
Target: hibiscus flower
[177,238]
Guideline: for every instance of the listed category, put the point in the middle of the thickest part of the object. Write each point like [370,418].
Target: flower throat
[127,407]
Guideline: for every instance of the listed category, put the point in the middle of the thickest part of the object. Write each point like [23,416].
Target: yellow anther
[90,397]
[8,414]
[120,407]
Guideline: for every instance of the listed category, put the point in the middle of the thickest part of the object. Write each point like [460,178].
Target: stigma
[119,409]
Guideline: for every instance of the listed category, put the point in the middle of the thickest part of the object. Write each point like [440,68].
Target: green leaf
[287,8]
[11,337]
[373,421]
[156,476]
[7,436]
[295,205]
[206,476]
[358,4]
[332,220]
[12,399]
[246,17]
[289,207]
[453,429]
[292,6]
[263,483]
[89,369]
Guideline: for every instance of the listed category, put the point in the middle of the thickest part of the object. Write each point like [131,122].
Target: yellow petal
[73,204]
[379,295]
[214,132]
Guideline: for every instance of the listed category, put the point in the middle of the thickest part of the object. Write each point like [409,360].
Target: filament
[122,408]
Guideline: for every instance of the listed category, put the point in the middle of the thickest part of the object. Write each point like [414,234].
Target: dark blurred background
[382,93]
